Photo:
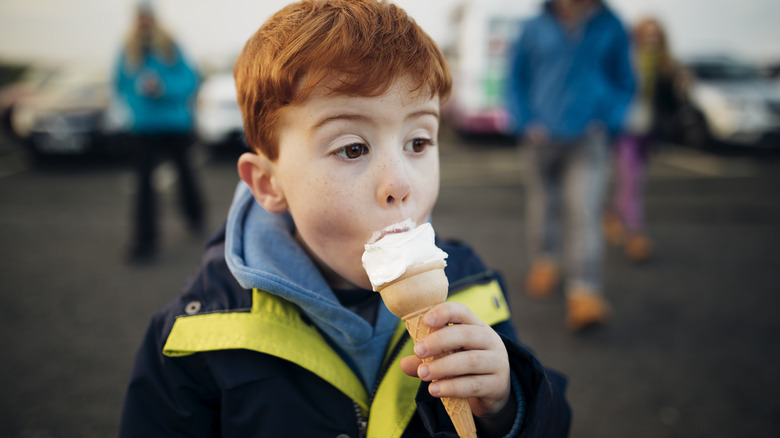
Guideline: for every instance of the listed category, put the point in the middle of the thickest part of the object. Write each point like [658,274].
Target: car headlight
[22,121]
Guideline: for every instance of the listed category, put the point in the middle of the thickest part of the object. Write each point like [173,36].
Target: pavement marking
[13,162]
[705,165]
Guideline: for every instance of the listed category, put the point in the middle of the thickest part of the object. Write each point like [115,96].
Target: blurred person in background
[157,85]
[659,96]
[570,83]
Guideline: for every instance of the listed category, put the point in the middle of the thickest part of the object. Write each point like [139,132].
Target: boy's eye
[418,144]
[352,151]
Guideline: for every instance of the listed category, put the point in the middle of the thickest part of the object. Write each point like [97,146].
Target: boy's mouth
[399,227]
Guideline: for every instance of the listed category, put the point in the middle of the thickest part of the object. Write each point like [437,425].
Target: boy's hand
[477,369]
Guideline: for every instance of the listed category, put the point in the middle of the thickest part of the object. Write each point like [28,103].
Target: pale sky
[70,30]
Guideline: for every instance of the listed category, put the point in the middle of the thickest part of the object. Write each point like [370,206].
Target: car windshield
[721,70]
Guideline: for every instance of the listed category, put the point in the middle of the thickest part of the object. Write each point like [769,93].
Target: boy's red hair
[356,47]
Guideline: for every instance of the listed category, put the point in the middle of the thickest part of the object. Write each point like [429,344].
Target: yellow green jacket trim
[274,326]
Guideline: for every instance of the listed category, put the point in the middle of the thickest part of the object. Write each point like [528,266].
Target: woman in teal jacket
[157,86]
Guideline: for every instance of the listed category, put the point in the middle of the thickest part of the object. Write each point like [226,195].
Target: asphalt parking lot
[693,349]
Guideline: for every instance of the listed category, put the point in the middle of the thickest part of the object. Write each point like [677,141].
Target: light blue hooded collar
[261,253]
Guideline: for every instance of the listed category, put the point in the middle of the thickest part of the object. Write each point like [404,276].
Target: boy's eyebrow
[352,117]
[338,117]
[423,112]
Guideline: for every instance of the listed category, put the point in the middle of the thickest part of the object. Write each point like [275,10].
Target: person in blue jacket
[157,85]
[569,84]
[278,333]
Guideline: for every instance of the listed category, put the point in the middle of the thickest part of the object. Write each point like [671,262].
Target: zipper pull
[362,422]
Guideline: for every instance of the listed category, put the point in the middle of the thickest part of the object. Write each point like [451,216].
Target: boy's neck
[334,280]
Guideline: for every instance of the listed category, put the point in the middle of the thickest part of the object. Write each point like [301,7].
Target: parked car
[731,102]
[67,116]
[218,122]
[31,81]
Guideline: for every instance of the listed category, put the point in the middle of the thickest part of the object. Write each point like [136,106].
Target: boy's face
[349,166]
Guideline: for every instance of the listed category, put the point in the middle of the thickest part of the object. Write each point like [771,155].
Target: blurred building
[477,45]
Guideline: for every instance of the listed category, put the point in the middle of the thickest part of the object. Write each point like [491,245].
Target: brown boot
[614,232]
[638,248]
[542,279]
[585,308]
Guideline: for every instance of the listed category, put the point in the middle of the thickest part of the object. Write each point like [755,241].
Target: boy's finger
[467,387]
[461,363]
[450,313]
[457,337]
[410,364]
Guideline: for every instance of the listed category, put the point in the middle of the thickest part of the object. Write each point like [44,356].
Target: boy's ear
[258,172]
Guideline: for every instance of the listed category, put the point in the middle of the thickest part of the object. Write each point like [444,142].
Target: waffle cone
[419,288]
[457,408]
[409,297]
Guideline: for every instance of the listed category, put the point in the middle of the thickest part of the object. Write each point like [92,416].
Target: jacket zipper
[362,421]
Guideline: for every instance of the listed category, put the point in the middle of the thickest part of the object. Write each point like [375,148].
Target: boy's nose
[394,186]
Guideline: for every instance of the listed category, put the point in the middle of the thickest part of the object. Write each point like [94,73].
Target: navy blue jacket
[244,393]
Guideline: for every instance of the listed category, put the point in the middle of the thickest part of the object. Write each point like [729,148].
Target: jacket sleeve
[621,76]
[181,80]
[546,411]
[543,410]
[542,407]
[168,397]
[518,84]
[124,79]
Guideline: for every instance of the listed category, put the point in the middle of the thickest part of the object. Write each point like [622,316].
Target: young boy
[278,333]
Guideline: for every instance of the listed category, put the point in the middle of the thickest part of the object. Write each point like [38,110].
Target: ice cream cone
[409,297]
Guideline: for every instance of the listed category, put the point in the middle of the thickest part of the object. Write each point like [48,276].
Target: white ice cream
[390,251]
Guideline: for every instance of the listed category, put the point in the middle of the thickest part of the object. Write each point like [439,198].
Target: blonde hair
[666,64]
[160,42]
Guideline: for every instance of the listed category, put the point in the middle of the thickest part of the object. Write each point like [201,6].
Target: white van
[480,40]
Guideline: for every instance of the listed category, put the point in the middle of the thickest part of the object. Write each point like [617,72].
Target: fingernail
[430,319]
[419,349]
[433,389]
[423,372]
